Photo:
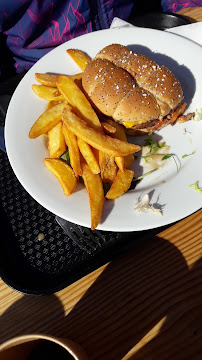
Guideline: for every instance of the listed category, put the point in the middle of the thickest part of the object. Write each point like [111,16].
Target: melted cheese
[128,124]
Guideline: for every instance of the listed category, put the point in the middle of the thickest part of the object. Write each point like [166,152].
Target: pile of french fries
[98,148]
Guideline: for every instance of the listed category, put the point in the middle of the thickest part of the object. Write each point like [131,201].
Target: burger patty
[159,123]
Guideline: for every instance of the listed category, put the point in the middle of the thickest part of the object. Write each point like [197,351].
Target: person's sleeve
[42,25]
[10,12]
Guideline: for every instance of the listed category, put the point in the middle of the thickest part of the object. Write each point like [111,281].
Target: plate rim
[145,30]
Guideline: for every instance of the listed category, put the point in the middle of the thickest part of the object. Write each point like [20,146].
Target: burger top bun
[158,80]
[115,93]
[130,87]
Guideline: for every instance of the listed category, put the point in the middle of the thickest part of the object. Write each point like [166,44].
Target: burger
[133,90]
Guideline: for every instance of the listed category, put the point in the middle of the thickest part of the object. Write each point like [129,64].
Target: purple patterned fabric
[176,5]
[34,27]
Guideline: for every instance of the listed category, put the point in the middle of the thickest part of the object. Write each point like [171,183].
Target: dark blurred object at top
[159,20]
[150,15]
[144,6]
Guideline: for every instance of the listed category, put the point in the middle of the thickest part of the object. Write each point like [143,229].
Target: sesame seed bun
[131,88]
[116,53]
[138,106]
[111,87]
[163,85]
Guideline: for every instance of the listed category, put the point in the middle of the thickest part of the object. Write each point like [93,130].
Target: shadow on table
[128,299]
[180,336]
[31,314]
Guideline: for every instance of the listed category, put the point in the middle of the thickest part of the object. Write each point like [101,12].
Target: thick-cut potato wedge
[108,129]
[121,184]
[119,134]
[74,154]
[80,58]
[108,167]
[51,104]
[47,92]
[128,161]
[64,174]
[88,154]
[50,79]
[76,76]
[105,143]
[56,141]
[76,98]
[47,120]
[93,184]
[119,160]
[79,83]
[78,101]
[46,79]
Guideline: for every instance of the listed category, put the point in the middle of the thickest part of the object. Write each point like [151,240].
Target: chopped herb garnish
[196,187]
[65,157]
[173,156]
[154,146]
[141,176]
[186,155]
[163,158]
[161,145]
[167,156]
[151,143]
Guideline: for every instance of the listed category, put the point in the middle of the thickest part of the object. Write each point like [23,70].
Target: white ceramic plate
[167,189]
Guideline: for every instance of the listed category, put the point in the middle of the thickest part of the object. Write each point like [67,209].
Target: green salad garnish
[196,187]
